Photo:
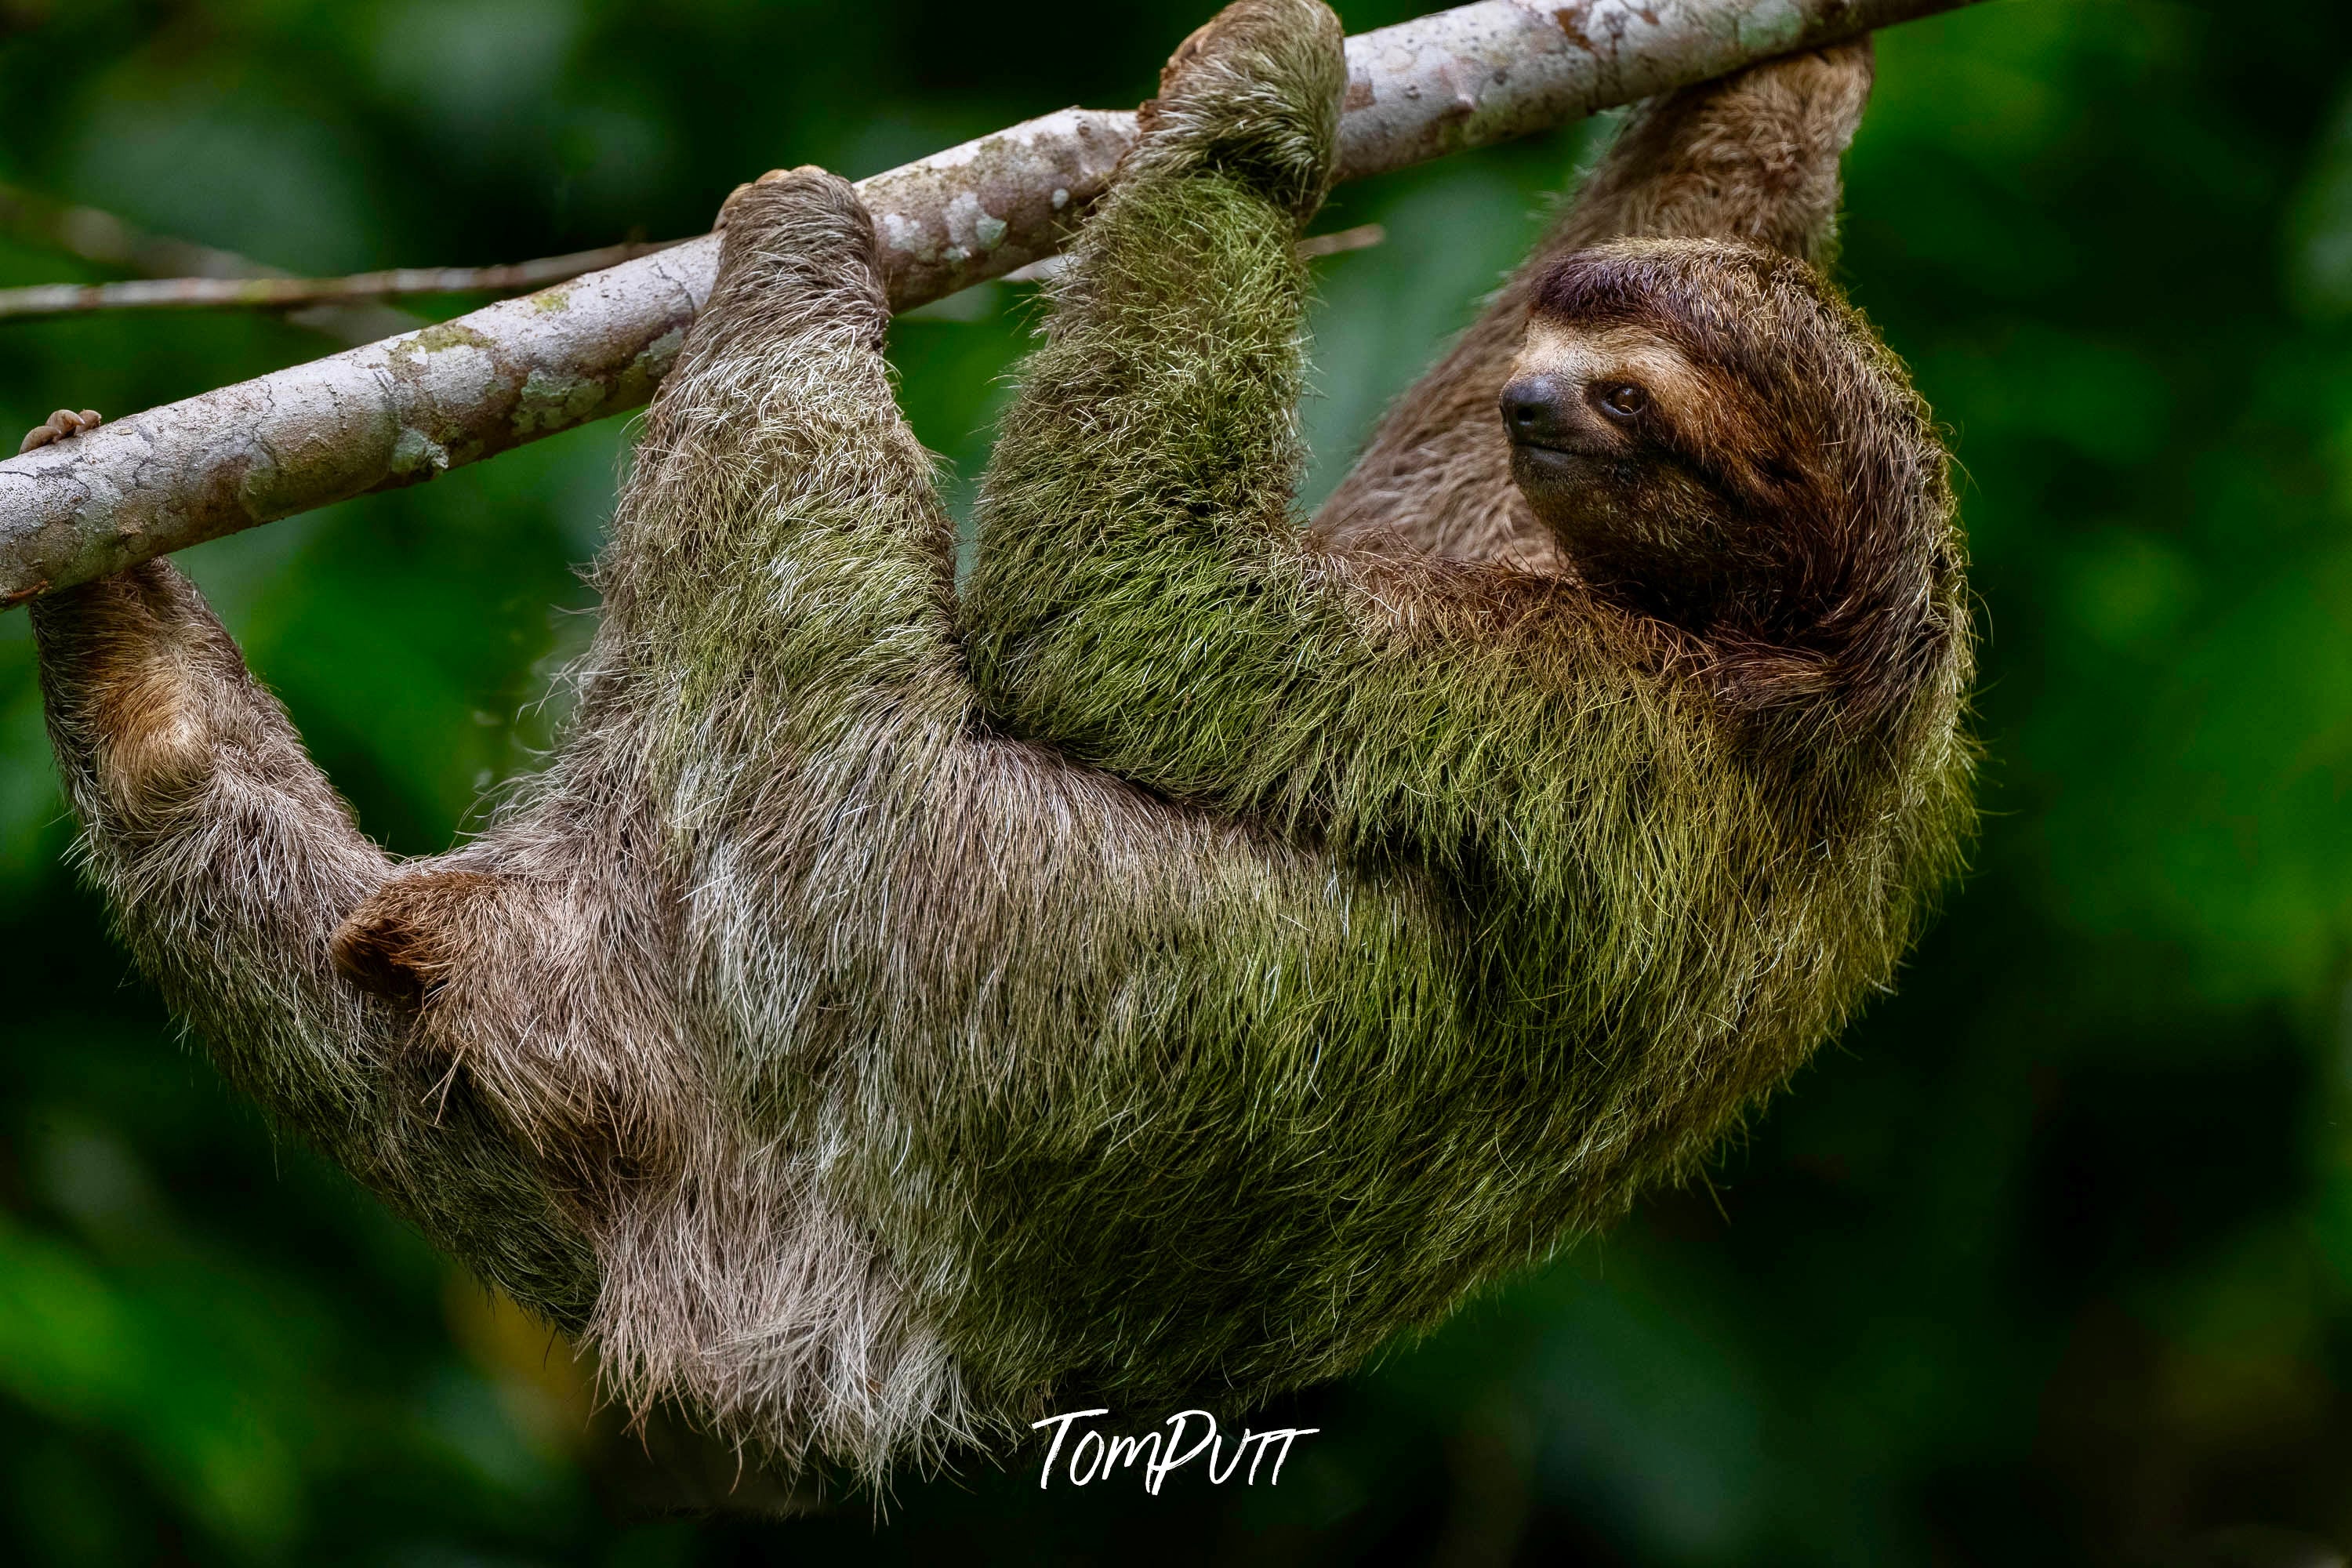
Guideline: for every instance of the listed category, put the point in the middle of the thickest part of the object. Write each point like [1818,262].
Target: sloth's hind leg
[223,854]
[226,861]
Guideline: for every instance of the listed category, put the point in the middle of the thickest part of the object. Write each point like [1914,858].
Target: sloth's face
[1609,428]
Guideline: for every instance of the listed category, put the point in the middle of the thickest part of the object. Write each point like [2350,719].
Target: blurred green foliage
[2050,1262]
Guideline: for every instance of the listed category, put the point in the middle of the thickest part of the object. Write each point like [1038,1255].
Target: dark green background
[2050,1261]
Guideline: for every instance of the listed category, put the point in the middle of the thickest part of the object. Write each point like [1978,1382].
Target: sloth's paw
[794,205]
[1255,94]
[805,231]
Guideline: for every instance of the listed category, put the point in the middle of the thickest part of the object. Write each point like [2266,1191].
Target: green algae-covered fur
[1203,944]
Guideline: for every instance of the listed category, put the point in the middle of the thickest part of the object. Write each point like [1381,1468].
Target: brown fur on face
[1752,158]
[1611,426]
[1714,439]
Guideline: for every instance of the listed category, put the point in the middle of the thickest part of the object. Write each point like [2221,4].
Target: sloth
[1195,948]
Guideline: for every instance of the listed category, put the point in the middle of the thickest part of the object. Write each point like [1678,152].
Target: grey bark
[402,411]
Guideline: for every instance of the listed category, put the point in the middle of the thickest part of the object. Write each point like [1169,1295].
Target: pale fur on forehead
[1622,351]
[1698,408]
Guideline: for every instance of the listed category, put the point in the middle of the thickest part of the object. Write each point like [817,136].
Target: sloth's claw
[65,422]
[773,177]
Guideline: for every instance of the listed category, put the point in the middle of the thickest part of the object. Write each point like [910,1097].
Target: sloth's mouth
[1555,453]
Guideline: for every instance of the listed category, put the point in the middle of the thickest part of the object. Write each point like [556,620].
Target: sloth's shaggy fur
[1170,967]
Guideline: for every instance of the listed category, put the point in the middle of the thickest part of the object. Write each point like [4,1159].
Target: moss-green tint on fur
[1174,968]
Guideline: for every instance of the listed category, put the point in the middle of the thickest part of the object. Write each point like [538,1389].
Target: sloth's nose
[1533,411]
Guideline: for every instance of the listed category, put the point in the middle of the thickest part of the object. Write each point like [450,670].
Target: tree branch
[102,238]
[400,412]
[268,289]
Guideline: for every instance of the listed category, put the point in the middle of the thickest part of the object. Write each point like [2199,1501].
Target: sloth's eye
[1623,400]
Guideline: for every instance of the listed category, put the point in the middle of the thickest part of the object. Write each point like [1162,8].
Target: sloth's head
[1716,440]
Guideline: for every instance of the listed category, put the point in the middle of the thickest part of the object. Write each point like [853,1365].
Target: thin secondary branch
[1340,241]
[276,291]
[107,240]
[403,411]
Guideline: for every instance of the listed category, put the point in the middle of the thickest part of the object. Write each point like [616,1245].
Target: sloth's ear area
[405,938]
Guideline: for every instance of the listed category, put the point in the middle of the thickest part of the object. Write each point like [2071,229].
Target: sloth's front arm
[1625,796]
[1139,598]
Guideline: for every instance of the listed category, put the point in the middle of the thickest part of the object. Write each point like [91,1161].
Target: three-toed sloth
[1195,947]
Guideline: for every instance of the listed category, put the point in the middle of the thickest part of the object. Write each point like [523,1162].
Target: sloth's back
[1148,1098]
